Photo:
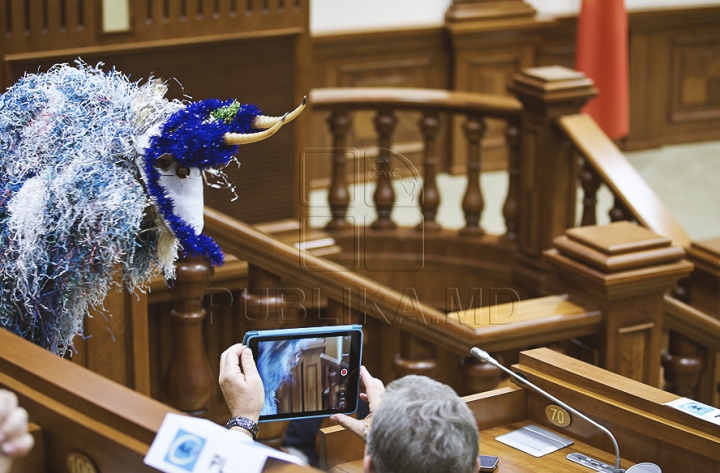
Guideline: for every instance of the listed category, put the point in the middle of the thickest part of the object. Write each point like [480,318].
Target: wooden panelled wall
[253,51]
[674,75]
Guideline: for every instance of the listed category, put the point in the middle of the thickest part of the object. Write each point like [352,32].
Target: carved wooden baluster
[512,201]
[590,185]
[682,365]
[479,376]
[618,212]
[430,126]
[473,203]
[339,193]
[384,196]
[416,357]
[683,361]
[189,382]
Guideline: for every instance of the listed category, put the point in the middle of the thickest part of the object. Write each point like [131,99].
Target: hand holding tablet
[307,372]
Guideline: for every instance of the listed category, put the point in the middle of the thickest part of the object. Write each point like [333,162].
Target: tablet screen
[308,376]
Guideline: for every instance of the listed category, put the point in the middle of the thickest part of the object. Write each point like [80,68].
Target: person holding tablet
[418,424]
[243,390]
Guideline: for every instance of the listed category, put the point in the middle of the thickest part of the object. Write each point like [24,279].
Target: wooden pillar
[189,382]
[625,271]
[548,183]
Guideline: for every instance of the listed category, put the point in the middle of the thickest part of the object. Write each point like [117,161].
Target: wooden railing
[386,102]
[419,322]
[416,320]
[690,358]
[82,421]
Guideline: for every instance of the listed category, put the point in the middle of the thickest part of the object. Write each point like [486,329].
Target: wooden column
[189,382]
[625,270]
[548,183]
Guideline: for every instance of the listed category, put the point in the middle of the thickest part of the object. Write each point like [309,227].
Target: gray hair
[422,426]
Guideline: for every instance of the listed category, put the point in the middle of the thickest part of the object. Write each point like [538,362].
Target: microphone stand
[485,356]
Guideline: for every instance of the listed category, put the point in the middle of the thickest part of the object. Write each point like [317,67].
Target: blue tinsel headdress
[93,173]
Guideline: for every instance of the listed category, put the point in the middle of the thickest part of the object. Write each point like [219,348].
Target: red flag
[601,52]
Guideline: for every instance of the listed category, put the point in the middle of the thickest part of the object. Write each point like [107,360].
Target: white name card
[189,445]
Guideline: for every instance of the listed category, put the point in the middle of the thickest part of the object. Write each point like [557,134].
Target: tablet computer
[308,372]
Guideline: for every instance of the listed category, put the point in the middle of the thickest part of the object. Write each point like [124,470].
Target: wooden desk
[515,461]
[102,425]
[646,430]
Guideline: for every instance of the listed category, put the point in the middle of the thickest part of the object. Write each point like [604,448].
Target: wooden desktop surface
[515,461]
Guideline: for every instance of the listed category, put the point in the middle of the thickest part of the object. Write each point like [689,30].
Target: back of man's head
[422,426]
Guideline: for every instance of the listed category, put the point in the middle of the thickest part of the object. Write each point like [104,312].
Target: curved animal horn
[245,138]
[262,121]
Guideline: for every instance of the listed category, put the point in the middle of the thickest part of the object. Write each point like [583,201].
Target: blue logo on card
[696,408]
[185,450]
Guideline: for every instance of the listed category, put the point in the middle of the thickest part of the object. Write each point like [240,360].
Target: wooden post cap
[553,84]
[484,10]
[620,254]
[620,246]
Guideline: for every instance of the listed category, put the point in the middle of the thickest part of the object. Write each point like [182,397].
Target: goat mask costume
[100,175]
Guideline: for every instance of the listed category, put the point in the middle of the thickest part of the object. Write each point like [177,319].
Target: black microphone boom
[643,467]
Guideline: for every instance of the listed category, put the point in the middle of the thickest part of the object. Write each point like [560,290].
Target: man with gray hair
[418,425]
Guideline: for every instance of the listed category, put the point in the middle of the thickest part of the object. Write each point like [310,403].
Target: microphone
[638,468]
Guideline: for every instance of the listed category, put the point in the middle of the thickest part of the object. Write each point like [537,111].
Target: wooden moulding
[617,258]
[706,255]
[633,411]
[619,247]
[484,10]
[625,270]
[553,84]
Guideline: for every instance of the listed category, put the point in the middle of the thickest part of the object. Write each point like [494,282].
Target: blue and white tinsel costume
[99,175]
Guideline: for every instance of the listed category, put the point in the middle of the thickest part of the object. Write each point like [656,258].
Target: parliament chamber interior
[616,319]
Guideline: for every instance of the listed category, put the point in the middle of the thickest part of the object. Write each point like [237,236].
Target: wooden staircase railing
[611,167]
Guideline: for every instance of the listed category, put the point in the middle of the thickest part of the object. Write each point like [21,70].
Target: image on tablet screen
[303,375]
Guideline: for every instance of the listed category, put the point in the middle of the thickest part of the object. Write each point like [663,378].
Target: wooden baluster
[512,201]
[339,193]
[384,195]
[479,376]
[189,382]
[430,126]
[416,357]
[618,212]
[473,203]
[590,185]
[682,365]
